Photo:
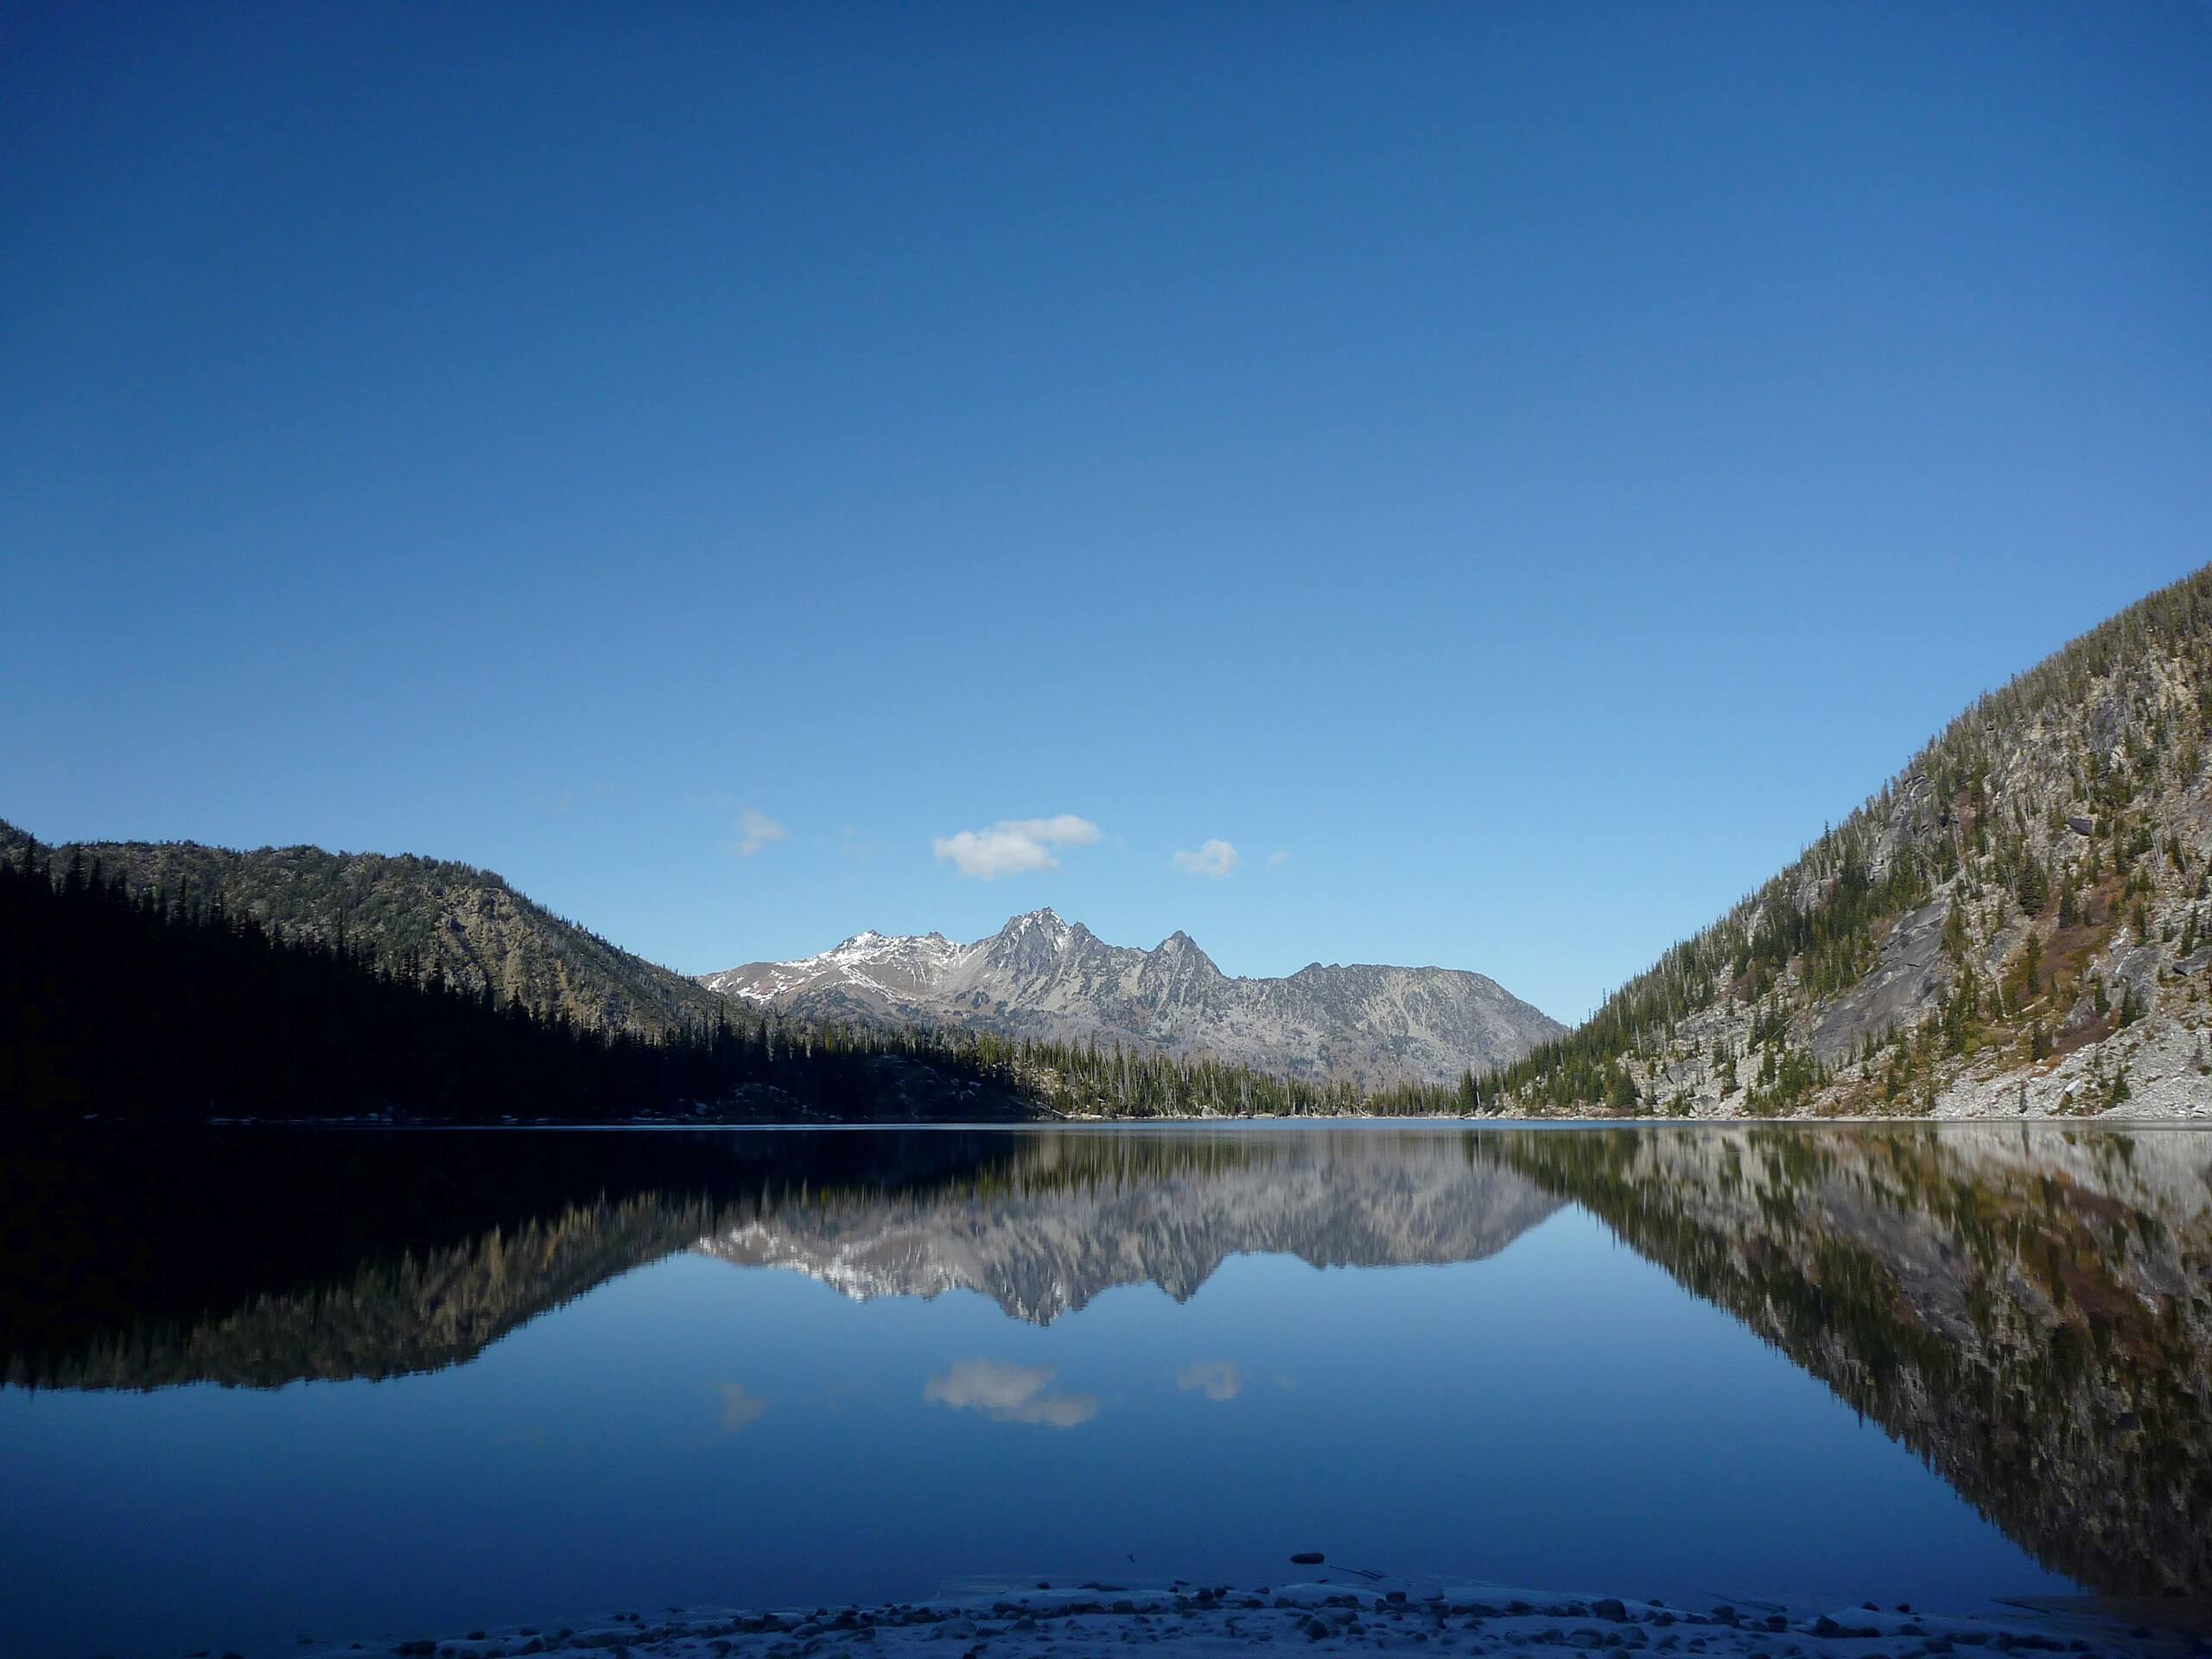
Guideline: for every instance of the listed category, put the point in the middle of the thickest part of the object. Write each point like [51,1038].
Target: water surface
[268,1384]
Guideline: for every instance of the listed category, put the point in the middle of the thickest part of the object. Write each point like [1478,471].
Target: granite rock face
[1044,977]
[2015,925]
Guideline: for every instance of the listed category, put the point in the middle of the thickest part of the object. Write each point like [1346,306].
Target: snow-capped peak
[864,961]
[1042,975]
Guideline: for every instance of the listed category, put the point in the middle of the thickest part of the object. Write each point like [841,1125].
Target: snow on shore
[1075,1622]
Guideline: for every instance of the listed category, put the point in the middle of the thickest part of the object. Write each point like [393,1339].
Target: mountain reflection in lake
[570,1371]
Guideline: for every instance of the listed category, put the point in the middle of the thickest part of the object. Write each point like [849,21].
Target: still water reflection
[265,1385]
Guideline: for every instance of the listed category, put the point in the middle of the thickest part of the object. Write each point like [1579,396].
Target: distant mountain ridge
[1041,976]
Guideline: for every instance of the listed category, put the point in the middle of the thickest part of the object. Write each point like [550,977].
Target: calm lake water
[262,1384]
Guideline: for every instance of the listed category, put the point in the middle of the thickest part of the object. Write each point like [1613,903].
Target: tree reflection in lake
[2029,1310]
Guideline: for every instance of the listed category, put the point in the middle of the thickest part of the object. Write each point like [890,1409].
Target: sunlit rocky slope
[1042,977]
[2018,924]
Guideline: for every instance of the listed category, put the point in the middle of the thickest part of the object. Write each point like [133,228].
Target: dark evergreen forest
[159,1006]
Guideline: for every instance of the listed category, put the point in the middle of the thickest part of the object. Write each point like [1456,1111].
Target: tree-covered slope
[410,916]
[2017,923]
[156,1007]
[226,1018]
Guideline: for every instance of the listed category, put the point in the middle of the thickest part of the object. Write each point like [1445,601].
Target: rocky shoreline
[1096,1618]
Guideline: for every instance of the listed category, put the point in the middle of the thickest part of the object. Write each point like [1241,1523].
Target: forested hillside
[2018,923]
[226,1017]
[410,916]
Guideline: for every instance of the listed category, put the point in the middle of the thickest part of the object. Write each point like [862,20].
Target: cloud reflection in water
[1010,1393]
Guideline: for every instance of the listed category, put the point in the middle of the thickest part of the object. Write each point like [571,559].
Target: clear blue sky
[1531,465]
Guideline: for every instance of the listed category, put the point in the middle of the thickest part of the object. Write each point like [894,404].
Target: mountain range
[2019,923]
[1041,976]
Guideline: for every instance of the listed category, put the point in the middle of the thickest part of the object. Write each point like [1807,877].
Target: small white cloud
[1216,859]
[755,830]
[1009,1394]
[738,1407]
[1217,1378]
[1278,857]
[1013,846]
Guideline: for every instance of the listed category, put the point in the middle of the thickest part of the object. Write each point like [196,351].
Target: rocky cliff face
[1041,976]
[467,924]
[2020,924]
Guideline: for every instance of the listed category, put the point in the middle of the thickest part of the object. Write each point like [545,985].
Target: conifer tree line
[159,1006]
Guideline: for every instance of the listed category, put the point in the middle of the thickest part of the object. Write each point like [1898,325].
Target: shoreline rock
[1325,1617]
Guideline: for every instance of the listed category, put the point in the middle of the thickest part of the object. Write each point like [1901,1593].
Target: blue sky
[1529,466]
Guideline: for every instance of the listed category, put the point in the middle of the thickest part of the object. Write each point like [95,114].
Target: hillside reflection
[2030,1311]
[259,1260]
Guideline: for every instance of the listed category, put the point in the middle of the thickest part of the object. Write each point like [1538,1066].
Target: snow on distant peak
[913,956]
[1041,973]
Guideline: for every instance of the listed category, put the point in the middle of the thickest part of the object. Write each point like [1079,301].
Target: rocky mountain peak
[1042,975]
[1034,943]
[1178,958]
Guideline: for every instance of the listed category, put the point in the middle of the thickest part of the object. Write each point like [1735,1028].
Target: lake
[266,1383]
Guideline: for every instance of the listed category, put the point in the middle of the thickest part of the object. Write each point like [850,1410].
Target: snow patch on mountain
[1042,975]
